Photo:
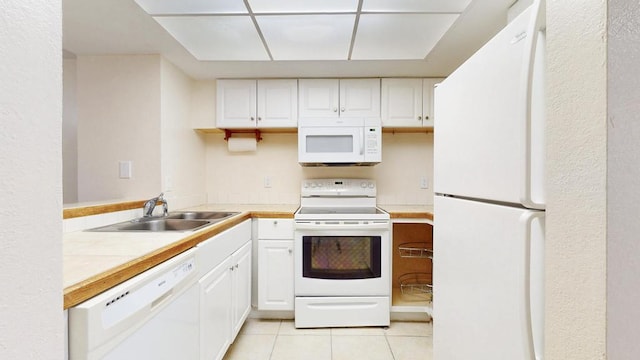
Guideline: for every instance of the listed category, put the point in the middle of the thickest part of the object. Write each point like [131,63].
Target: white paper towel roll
[240,144]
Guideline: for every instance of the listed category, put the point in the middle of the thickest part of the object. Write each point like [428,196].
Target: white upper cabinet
[408,102]
[322,98]
[250,104]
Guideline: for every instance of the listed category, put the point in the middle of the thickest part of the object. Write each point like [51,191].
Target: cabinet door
[241,302]
[401,102]
[318,97]
[277,103]
[360,98]
[236,104]
[215,311]
[275,275]
[427,100]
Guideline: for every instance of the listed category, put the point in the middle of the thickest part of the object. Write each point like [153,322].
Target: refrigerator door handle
[532,225]
[536,24]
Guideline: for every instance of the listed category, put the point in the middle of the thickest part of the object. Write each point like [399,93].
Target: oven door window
[341,257]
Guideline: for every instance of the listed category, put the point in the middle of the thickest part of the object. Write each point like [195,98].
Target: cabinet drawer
[275,228]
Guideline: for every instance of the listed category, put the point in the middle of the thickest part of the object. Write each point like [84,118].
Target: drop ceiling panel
[399,36]
[303,6]
[414,5]
[216,37]
[172,7]
[307,37]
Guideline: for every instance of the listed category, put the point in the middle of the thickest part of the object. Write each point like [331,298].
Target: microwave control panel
[372,143]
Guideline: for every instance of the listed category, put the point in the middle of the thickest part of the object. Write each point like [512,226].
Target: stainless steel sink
[176,221]
[165,225]
[197,215]
[155,224]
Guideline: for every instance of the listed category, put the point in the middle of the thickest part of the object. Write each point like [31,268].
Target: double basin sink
[176,221]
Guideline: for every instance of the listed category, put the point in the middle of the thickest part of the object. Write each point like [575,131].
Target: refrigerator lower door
[487,281]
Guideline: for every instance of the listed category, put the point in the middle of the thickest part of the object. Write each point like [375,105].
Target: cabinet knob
[419,117]
[275,222]
[231,268]
[252,118]
[259,118]
[236,266]
[290,250]
[426,117]
[335,109]
[342,109]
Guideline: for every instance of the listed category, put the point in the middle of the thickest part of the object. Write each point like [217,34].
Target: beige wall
[576,275]
[118,120]
[69,132]
[623,169]
[239,177]
[182,150]
[31,317]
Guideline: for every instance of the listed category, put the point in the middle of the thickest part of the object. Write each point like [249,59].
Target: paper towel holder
[228,133]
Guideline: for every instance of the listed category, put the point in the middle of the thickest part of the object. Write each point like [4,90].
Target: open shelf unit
[412,266]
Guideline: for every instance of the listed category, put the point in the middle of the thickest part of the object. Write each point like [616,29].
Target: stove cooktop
[340,211]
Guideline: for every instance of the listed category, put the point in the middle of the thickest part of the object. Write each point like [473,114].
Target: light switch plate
[125,169]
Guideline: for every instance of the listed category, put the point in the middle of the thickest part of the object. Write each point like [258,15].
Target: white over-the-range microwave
[339,141]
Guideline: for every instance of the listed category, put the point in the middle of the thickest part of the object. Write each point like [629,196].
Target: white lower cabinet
[225,290]
[275,264]
[215,312]
[241,288]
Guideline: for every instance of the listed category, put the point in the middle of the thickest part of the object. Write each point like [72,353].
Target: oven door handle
[342,225]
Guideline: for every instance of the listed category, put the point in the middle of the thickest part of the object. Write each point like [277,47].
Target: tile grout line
[331,343]
[275,340]
[393,356]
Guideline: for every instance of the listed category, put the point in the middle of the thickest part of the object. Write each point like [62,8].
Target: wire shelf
[415,250]
[416,284]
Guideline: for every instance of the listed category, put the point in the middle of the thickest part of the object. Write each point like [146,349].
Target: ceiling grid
[258,30]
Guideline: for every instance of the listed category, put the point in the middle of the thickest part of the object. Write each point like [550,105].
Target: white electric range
[342,255]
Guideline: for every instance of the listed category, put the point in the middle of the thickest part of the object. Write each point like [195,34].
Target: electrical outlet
[267,181]
[424,183]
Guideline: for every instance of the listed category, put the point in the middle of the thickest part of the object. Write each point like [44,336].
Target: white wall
[118,120]
[239,177]
[31,325]
[182,150]
[69,132]
[623,196]
[576,273]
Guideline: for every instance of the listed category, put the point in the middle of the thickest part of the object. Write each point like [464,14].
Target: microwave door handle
[362,142]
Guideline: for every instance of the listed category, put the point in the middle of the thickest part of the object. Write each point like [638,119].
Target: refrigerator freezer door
[487,281]
[488,115]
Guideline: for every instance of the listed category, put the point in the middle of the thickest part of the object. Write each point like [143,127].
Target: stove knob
[371,185]
[313,185]
[363,184]
[305,185]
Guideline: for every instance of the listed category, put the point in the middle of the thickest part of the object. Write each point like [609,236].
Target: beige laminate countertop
[409,211]
[96,261]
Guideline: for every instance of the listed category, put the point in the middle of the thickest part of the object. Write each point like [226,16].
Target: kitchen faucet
[150,204]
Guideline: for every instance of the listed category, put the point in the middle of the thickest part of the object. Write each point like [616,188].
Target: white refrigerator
[489,206]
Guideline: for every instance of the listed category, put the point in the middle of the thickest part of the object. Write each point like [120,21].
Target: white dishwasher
[153,315]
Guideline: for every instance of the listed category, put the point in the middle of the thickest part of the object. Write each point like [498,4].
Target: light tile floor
[262,339]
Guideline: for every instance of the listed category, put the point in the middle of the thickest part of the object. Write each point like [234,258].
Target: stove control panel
[338,187]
